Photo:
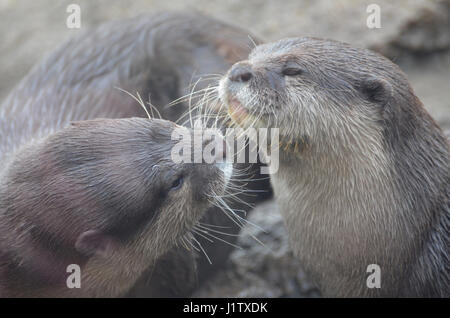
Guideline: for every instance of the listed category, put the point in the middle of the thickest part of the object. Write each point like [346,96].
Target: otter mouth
[242,116]
[237,111]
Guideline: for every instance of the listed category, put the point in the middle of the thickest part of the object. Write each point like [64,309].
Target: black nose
[240,73]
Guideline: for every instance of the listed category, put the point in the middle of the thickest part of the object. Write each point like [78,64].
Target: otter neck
[352,177]
[341,211]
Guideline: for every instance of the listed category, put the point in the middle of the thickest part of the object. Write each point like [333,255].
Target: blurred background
[415,34]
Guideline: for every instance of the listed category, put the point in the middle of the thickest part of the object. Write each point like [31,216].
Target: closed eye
[177,183]
[291,71]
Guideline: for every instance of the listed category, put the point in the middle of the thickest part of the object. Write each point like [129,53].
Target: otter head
[319,93]
[106,195]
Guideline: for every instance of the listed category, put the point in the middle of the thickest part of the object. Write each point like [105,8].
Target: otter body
[363,170]
[75,193]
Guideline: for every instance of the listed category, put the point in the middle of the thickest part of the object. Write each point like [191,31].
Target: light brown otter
[158,56]
[364,170]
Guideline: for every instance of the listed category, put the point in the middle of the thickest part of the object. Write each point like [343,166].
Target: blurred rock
[425,32]
[421,47]
[30,29]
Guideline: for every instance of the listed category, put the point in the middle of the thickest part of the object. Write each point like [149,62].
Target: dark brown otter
[158,56]
[363,170]
[104,195]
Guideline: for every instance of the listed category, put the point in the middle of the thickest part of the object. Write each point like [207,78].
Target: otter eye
[291,71]
[177,183]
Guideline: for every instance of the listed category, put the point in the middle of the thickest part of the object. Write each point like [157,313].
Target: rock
[426,32]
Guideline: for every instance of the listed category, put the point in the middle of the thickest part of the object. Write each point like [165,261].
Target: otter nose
[240,73]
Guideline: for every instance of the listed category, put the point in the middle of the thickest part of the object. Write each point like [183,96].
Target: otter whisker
[139,100]
[213,225]
[252,41]
[184,242]
[190,103]
[250,179]
[233,212]
[193,246]
[198,117]
[186,97]
[227,213]
[202,249]
[234,195]
[153,107]
[218,232]
[242,222]
[215,237]
[194,230]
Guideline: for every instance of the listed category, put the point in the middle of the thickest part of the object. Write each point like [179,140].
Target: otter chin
[369,180]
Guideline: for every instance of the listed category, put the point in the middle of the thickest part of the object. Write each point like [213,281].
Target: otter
[159,56]
[104,195]
[363,168]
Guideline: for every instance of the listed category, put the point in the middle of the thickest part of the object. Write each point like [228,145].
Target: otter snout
[232,85]
[240,72]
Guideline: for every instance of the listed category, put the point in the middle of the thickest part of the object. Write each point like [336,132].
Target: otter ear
[94,242]
[375,89]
